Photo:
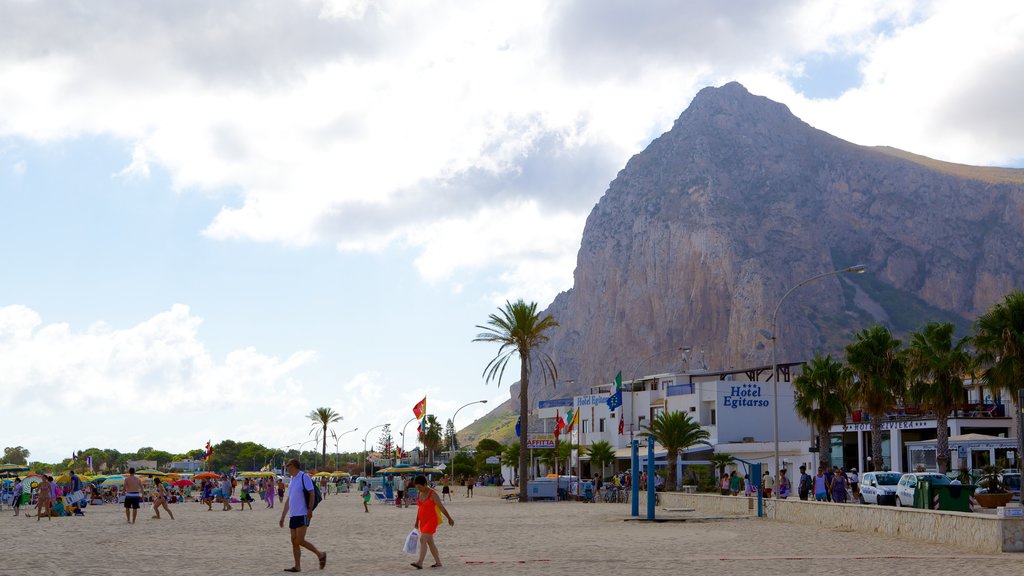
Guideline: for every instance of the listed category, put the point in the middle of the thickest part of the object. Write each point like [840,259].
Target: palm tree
[876,361]
[601,453]
[999,341]
[936,366]
[510,458]
[720,461]
[432,436]
[822,398]
[322,418]
[676,431]
[519,330]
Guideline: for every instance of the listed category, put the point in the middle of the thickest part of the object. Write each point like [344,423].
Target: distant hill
[700,235]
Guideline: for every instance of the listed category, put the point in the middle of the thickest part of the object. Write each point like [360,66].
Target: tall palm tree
[935,366]
[822,398]
[432,436]
[676,431]
[322,418]
[999,341]
[520,330]
[601,453]
[878,364]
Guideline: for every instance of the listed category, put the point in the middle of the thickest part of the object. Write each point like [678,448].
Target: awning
[659,451]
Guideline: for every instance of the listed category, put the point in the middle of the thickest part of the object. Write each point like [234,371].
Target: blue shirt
[296,497]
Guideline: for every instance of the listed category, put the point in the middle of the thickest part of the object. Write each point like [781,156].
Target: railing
[969,410]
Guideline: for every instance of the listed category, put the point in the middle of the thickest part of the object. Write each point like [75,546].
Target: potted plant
[995,494]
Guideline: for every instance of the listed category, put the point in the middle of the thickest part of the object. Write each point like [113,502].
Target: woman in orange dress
[429,508]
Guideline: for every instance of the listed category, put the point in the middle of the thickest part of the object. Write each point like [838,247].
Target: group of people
[829,485]
[51,498]
[222,490]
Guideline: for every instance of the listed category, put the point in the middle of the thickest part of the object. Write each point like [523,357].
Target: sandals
[416,566]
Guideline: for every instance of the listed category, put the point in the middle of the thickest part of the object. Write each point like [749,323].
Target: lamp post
[858,269]
[303,444]
[367,435]
[403,436]
[337,440]
[453,429]
[632,383]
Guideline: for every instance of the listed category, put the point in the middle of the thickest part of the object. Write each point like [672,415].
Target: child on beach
[365,490]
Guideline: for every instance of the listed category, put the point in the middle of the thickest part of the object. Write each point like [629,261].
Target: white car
[908,484]
[879,487]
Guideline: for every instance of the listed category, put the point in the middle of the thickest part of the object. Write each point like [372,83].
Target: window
[601,424]
[586,428]
[713,416]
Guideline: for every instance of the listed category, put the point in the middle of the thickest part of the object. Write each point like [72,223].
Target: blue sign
[560,403]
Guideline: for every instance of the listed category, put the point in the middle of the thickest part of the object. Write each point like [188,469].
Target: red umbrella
[207,476]
[184,482]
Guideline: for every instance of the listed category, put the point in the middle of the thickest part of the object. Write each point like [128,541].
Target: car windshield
[1012,481]
[889,479]
[935,478]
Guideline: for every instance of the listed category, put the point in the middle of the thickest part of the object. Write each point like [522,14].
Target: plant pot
[993,500]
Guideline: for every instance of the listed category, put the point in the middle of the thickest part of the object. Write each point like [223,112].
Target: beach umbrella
[183,483]
[255,474]
[116,480]
[207,476]
[150,472]
[322,475]
[12,469]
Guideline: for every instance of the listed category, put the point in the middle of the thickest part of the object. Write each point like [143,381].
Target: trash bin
[948,497]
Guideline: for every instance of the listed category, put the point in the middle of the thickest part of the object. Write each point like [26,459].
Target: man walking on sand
[132,496]
[300,506]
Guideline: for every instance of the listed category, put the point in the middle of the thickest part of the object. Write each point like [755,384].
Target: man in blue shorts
[132,496]
[300,505]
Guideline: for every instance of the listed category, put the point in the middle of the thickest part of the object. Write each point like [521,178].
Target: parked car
[1011,480]
[908,485]
[879,487]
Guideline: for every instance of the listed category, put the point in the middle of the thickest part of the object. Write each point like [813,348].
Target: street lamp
[403,435]
[364,445]
[858,269]
[453,429]
[337,439]
[632,383]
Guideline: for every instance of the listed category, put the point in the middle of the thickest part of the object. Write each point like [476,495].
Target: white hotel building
[736,407]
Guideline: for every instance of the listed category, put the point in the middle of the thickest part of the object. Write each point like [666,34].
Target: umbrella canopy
[150,472]
[207,476]
[322,475]
[116,480]
[406,469]
[183,483]
[12,469]
[255,474]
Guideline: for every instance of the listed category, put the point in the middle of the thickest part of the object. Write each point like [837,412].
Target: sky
[216,216]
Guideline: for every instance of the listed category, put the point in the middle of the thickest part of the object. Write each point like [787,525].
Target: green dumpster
[950,497]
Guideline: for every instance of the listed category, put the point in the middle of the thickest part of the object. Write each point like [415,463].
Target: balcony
[969,410]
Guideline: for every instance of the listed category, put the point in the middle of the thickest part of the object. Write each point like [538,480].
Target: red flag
[420,408]
[621,424]
[559,423]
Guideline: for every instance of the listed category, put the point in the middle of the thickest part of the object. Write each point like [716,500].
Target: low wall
[981,532]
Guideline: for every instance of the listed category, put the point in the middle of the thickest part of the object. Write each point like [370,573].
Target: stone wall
[979,532]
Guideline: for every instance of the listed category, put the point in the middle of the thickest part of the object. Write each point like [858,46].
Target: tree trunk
[670,480]
[942,440]
[824,448]
[524,422]
[877,462]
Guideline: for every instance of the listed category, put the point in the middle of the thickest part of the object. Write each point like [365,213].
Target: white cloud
[317,110]
[139,167]
[19,168]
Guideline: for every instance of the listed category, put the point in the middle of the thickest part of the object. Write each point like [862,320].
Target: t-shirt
[296,497]
[819,485]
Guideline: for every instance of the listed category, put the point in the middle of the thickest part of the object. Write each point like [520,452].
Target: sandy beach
[490,536]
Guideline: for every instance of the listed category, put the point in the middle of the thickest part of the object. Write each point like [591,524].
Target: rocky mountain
[700,235]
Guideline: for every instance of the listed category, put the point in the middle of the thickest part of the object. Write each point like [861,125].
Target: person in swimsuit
[44,499]
[160,499]
[132,496]
[445,489]
[428,505]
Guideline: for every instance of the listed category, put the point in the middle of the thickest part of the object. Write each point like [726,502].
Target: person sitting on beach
[428,512]
[132,496]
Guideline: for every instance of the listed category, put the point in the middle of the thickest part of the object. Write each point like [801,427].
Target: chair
[380,498]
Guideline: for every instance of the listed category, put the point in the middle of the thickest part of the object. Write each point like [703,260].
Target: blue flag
[518,422]
[615,400]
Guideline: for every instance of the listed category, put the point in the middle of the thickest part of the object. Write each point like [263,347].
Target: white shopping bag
[411,542]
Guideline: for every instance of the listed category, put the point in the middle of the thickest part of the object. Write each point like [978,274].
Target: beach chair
[380,498]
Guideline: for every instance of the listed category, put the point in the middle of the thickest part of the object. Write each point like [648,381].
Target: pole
[403,434]
[453,432]
[634,477]
[364,446]
[858,269]
[651,487]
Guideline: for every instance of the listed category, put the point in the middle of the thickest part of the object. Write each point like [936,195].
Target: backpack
[317,497]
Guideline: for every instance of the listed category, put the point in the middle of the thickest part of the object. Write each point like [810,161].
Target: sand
[490,536]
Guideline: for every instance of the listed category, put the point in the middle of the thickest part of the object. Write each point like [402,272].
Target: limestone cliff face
[698,237]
